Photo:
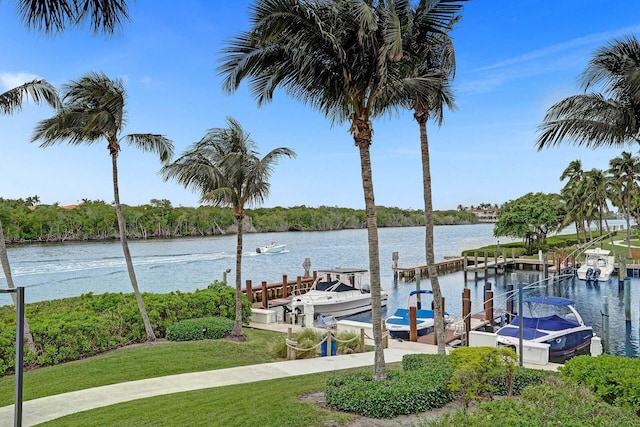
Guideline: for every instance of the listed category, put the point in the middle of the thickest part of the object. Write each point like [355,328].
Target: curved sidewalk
[51,407]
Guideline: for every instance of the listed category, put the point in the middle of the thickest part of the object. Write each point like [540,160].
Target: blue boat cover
[557,301]
[420,291]
[527,333]
[393,320]
[420,314]
[547,323]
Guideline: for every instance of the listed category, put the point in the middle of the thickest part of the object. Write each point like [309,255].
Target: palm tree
[574,198]
[11,101]
[597,186]
[593,119]
[93,110]
[625,171]
[429,53]
[336,56]
[224,168]
[54,16]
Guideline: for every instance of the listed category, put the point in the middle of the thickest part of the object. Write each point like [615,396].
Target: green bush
[347,342]
[73,328]
[199,329]
[412,362]
[475,369]
[523,377]
[554,403]
[615,379]
[404,392]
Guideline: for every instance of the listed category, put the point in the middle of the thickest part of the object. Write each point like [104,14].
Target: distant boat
[271,248]
[598,266]
[398,325]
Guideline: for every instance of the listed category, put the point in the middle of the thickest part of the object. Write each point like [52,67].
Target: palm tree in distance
[574,198]
[336,56]
[224,168]
[435,60]
[40,91]
[625,171]
[607,119]
[54,16]
[597,185]
[93,110]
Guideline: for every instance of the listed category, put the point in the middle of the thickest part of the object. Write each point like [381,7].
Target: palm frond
[40,91]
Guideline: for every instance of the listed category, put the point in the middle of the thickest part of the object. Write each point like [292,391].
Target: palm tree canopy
[224,167]
[93,108]
[335,56]
[38,90]
[607,119]
[54,16]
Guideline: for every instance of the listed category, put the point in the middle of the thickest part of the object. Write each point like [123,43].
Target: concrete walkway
[48,408]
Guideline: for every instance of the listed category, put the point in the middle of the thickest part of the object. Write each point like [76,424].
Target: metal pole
[17,421]
[520,323]
[605,322]
[418,299]
[627,299]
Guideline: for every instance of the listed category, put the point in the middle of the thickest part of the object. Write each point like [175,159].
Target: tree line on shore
[27,221]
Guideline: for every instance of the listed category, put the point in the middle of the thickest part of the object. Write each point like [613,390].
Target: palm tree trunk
[237,334]
[151,336]
[438,317]
[627,216]
[6,268]
[363,142]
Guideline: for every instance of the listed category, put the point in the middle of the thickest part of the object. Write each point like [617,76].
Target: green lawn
[140,362]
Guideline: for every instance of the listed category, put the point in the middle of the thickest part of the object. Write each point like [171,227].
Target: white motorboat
[598,265]
[553,321]
[337,293]
[398,325]
[271,248]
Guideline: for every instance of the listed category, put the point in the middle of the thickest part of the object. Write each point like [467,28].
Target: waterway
[51,271]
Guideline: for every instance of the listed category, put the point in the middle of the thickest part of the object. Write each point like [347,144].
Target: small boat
[271,248]
[554,321]
[335,293]
[598,266]
[398,325]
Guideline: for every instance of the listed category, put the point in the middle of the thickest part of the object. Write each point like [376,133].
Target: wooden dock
[453,332]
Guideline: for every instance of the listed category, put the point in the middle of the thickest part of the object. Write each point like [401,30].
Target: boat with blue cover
[553,321]
[398,325]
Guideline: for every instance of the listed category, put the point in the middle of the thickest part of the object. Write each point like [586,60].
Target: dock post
[298,284]
[475,266]
[627,299]
[307,266]
[265,297]
[486,260]
[289,349]
[605,323]
[488,308]
[545,266]
[466,313]
[464,268]
[361,340]
[285,286]
[418,299]
[413,328]
[249,288]
[495,262]
[509,302]
[394,258]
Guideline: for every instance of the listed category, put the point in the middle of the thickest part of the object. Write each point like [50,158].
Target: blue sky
[515,58]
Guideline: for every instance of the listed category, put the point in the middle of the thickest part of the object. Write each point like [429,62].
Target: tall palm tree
[54,16]
[607,119]
[224,168]
[40,91]
[428,53]
[93,110]
[625,172]
[574,198]
[336,56]
[597,187]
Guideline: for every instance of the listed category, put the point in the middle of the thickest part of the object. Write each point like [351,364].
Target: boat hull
[271,249]
[336,304]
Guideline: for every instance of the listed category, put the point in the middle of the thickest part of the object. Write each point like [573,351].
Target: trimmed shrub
[412,362]
[199,329]
[404,392]
[615,379]
[476,368]
[554,403]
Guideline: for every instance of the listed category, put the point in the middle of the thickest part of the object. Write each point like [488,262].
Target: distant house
[485,215]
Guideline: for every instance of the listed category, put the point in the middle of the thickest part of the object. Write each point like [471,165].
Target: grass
[265,403]
[140,362]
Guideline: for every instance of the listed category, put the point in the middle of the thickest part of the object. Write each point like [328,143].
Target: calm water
[50,271]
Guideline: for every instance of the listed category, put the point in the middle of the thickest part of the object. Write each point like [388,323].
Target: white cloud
[146,81]
[11,80]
